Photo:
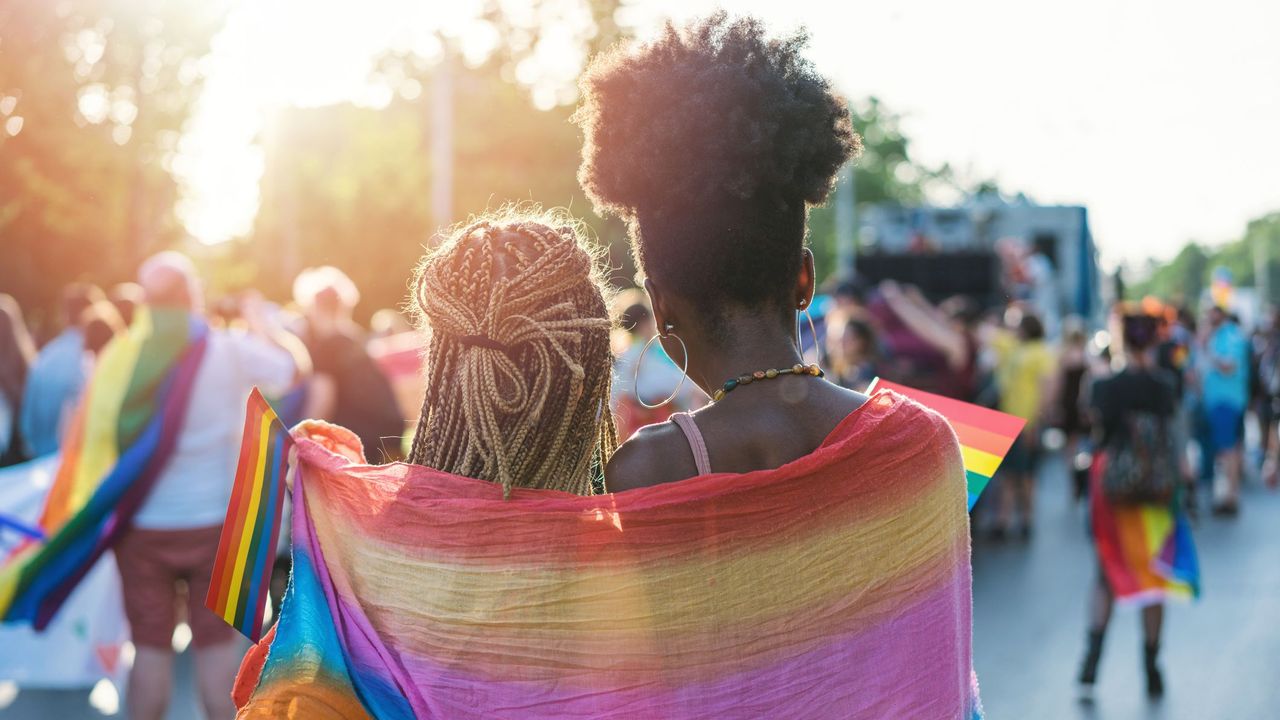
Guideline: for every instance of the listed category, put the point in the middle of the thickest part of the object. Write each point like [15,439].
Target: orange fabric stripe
[984,440]
[57,509]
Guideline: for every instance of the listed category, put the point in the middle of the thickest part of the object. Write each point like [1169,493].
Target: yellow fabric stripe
[111,376]
[246,533]
[1157,523]
[983,463]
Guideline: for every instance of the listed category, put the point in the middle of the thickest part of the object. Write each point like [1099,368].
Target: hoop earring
[813,333]
[684,370]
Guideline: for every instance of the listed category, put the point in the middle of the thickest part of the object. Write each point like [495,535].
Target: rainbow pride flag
[121,437]
[247,547]
[985,434]
[1147,552]
[837,586]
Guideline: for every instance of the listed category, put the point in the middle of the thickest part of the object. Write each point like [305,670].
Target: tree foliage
[103,89]
[885,172]
[1184,278]
[93,95]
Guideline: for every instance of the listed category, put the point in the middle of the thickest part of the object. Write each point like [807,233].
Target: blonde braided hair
[518,365]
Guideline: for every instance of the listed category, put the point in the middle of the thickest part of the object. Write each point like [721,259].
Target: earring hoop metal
[813,333]
[684,370]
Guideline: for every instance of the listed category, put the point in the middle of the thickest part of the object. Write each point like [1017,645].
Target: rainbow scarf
[1146,551]
[120,439]
[836,586]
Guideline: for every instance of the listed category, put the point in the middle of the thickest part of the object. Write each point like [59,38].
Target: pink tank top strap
[701,459]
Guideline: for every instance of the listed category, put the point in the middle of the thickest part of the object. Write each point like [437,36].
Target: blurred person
[17,353]
[1024,376]
[146,471]
[1044,299]
[1224,389]
[101,322]
[853,353]
[1269,406]
[532,313]
[948,359]
[1071,412]
[849,299]
[1015,275]
[173,537]
[347,387]
[127,297]
[387,322]
[58,374]
[1175,354]
[1144,549]
[640,379]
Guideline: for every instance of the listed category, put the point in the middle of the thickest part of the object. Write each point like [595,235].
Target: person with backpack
[1141,535]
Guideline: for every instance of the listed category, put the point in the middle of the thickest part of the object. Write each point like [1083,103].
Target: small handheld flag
[985,434]
[247,548]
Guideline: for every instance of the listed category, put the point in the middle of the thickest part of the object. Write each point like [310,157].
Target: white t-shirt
[194,488]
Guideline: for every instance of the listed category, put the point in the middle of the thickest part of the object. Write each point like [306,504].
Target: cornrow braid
[518,364]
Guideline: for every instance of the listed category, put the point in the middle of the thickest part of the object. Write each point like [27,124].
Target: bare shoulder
[655,454]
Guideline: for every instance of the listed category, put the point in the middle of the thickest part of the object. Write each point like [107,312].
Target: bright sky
[1160,117]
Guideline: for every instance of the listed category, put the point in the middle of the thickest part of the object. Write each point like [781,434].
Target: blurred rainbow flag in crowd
[985,434]
[120,440]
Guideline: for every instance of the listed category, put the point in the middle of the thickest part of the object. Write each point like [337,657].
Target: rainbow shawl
[120,439]
[837,586]
[1146,551]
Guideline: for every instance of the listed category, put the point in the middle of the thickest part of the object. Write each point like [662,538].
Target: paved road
[1221,655]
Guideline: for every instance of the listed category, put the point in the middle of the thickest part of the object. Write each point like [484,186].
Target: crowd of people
[518,353]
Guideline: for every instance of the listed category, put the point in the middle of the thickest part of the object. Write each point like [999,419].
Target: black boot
[1081,478]
[1155,683]
[1089,668]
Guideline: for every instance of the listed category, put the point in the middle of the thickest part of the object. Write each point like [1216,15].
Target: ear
[806,283]
[662,315]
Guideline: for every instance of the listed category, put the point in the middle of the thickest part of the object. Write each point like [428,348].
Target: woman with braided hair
[518,363]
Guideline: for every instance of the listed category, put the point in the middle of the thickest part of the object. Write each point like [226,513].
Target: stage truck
[967,250]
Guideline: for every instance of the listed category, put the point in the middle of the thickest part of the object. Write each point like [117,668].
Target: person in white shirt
[175,533]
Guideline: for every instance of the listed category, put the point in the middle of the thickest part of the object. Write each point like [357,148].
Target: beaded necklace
[797,369]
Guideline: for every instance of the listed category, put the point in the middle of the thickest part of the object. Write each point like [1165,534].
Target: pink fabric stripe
[911,665]
[701,459]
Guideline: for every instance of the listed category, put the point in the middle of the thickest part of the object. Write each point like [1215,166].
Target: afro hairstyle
[712,142]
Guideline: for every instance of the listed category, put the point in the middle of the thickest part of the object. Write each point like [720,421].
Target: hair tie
[483,341]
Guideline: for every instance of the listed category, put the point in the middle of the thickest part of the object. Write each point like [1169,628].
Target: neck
[742,353]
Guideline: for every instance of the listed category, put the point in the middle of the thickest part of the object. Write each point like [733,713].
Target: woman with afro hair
[712,142]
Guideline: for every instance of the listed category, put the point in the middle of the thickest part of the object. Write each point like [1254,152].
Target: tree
[885,172]
[1184,278]
[93,95]
[349,186]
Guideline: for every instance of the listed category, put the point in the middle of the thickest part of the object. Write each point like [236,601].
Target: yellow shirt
[1021,371]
